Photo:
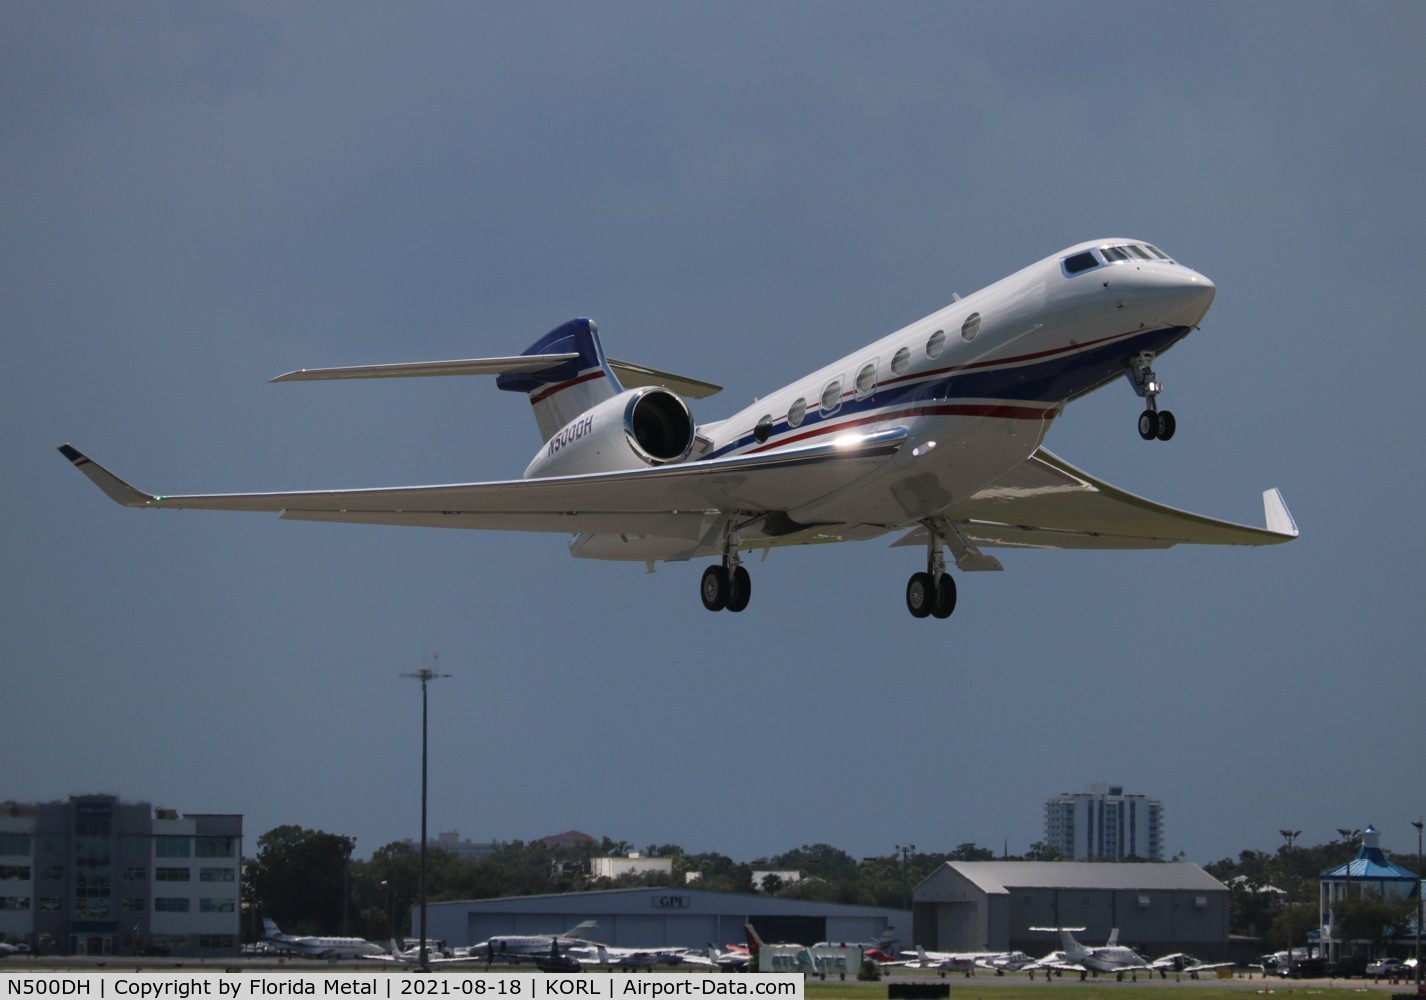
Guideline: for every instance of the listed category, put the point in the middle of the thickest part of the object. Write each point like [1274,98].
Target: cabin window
[1114,253]
[1080,262]
[796,412]
[900,361]
[970,327]
[832,397]
[763,430]
[866,379]
[935,344]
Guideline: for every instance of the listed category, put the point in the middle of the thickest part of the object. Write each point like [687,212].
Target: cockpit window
[1087,260]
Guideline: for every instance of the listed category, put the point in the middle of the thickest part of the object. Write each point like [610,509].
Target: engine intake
[636,428]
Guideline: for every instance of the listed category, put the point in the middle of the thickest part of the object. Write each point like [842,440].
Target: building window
[14,873]
[52,873]
[215,905]
[15,903]
[170,941]
[51,904]
[14,844]
[133,904]
[172,875]
[131,846]
[213,847]
[217,941]
[136,873]
[173,847]
[170,904]
[216,874]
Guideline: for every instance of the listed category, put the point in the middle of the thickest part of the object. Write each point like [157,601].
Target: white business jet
[319,946]
[933,431]
[1075,957]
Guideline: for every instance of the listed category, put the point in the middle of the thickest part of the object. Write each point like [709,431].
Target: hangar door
[790,929]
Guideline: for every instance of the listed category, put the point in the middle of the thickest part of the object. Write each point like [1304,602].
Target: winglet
[114,487]
[1279,518]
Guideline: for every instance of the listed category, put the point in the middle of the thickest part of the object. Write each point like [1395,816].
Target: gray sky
[199,197]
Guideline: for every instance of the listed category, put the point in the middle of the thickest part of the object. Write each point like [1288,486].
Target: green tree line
[309,883]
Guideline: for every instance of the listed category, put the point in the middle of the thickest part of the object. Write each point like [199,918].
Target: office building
[1103,823]
[96,876]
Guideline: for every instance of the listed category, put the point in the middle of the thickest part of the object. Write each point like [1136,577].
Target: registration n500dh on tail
[932,432]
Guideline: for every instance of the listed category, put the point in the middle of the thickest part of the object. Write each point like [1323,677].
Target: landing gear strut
[1153,422]
[932,593]
[727,586]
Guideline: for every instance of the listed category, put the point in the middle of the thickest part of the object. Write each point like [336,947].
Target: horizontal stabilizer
[469,366]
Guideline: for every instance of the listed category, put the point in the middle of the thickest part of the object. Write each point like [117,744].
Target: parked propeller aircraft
[1183,962]
[934,431]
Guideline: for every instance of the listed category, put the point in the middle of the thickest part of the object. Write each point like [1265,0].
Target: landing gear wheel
[741,589]
[945,596]
[714,588]
[1149,423]
[1167,425]
[920,594]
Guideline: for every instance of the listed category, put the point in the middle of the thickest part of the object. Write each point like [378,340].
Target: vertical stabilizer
[563,392]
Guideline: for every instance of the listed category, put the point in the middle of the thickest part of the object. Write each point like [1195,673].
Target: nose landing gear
[1153,422]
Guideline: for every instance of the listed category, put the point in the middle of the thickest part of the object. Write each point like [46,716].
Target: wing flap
[1048,503]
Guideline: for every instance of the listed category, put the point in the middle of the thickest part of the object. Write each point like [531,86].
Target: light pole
[1289,836]
[905,851]
[1417,824]
[425,675]
[1350,836]
[386,884]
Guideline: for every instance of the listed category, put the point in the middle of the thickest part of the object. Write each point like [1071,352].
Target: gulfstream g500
[932,432]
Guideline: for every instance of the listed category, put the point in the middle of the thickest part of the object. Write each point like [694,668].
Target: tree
[299,879]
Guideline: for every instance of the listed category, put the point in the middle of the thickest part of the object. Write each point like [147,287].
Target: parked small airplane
[1075,957]
[517,948]
[934,431]
[594,955]
[7,949]
[319,946]
[1183,962]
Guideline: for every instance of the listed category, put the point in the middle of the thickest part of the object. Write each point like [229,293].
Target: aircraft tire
[920,595]
[1167,425]
[740,591]
[945,596]
[714,588]
[1148,425]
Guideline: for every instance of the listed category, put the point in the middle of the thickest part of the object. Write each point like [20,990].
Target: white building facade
[1103,823]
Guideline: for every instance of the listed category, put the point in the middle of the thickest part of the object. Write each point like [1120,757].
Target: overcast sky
[198,197]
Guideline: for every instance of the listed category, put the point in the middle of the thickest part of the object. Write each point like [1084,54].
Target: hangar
[667,917]
[991,906]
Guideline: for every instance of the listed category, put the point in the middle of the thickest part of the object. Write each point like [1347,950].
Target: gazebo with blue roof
[1369,870]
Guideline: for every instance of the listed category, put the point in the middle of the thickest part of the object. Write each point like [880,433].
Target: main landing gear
[1153,422]
[727,586]
[932,593]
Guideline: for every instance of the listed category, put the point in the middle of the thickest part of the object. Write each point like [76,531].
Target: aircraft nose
[1181,294]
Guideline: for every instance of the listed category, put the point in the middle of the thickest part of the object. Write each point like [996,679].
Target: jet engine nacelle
[636,428]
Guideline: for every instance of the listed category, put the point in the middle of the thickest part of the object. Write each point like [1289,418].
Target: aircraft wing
[1047,503]
[656,500]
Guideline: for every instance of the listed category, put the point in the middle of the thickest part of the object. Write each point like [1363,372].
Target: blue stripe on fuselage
[1012,381]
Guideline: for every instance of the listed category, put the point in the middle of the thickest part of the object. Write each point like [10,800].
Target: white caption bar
[181,985]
